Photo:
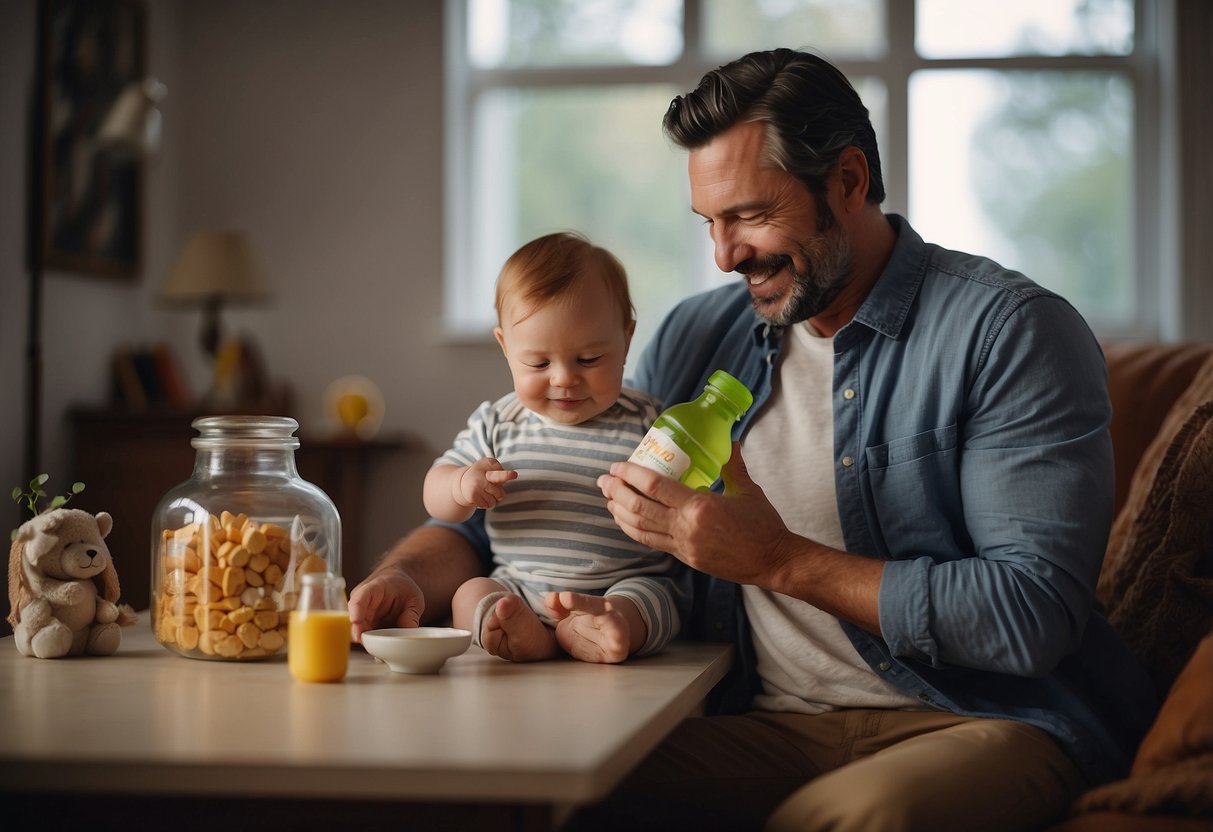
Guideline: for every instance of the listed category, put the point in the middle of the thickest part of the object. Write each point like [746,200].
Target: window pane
[998,28]
[545,33]
[1033,169]
[838,28]
[586,159]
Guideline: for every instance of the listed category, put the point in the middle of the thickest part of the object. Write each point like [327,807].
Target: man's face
[768,226]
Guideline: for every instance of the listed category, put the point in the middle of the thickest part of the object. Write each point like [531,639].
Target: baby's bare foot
[513,632]
[591,628]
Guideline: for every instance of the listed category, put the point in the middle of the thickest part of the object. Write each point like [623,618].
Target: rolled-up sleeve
[1034,469]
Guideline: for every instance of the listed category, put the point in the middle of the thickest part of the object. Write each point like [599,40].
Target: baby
[566,577]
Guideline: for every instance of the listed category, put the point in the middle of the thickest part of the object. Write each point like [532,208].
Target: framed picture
[91,199]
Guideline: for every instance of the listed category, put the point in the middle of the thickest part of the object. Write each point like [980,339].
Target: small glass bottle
[231,544]
[319,642]
[692,441]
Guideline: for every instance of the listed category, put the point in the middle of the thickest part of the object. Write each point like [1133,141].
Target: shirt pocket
[912,448]
[915,488]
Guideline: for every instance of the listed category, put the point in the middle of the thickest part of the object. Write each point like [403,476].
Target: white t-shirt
[806,662]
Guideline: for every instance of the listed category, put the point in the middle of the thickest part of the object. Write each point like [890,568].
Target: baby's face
[567,355]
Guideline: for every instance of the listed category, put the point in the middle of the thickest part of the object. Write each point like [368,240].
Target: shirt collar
[888,304]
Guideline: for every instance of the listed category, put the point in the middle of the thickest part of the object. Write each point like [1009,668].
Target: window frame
[1154,180]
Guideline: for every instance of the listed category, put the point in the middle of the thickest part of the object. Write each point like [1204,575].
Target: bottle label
[658,452]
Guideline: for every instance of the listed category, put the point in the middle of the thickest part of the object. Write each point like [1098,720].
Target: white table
[147,722]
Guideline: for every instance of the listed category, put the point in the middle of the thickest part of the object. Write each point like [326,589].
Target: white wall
[83,317]
[16,79]
[316,127]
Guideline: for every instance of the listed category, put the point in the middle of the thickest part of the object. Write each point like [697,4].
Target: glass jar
[231,544]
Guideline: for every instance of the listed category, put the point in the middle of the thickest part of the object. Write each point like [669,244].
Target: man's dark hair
[811,113]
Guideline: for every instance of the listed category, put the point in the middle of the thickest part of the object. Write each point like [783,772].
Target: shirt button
[885,665]
[847,462]
[770,358]
[848,393]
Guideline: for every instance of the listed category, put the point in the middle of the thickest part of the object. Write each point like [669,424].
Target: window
[1015,130]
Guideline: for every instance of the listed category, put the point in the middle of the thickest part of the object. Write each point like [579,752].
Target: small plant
[30,498]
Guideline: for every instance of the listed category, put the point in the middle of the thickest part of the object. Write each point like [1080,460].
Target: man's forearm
[842,584]
[438,560]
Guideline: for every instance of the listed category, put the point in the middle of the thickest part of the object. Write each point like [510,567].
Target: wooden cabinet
[127,462]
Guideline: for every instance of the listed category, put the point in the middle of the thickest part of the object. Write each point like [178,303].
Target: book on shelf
[147,378]
[176,392]
[127,386]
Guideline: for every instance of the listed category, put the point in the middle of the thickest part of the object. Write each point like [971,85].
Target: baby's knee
[467,596]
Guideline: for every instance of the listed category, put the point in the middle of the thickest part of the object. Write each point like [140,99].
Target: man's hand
[739,536]
[388,598]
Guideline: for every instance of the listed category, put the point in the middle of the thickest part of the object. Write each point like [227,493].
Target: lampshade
[132,125]
[216,267]
[220,265]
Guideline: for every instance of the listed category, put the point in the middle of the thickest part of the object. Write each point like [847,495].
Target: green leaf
[12,535]
[39,480]
[77,487]
[58,501]
[17,493]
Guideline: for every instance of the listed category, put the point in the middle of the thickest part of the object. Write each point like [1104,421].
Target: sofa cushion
[1157,579]
[1173,770]
[1126,822]
[1144,382]
[1183,730]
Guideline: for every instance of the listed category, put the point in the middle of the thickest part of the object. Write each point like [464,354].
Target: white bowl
[416,649]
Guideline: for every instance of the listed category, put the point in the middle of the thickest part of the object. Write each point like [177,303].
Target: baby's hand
[482,483]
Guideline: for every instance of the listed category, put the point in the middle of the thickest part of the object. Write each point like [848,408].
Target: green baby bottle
[692,441]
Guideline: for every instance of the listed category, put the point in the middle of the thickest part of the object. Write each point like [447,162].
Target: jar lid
[245,431]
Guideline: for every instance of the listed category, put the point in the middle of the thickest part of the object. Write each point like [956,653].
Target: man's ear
[853,178]
[500,336]
[628,332]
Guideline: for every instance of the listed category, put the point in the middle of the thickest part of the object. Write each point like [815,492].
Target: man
[906,556]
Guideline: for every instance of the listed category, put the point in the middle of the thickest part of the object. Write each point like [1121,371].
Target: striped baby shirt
[553,531]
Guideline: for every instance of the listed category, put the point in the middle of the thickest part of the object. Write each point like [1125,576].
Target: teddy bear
[63,588]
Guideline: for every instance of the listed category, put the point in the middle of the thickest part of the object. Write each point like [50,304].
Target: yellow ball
[352,408]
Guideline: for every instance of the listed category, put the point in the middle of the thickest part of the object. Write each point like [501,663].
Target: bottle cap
[737,394]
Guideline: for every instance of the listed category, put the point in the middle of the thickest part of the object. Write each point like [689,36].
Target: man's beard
[828,258]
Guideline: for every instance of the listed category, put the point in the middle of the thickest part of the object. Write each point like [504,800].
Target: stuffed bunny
[63,588]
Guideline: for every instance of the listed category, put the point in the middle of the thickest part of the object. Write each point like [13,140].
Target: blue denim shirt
[971,455]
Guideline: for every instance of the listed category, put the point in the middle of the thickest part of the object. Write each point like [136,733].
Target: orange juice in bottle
[318,635]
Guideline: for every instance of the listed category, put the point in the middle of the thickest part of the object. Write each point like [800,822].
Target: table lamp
[216,267]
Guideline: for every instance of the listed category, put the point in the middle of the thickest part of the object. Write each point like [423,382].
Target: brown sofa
[1157,583]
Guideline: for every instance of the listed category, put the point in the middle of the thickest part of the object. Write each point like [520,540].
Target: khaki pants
[854,770]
